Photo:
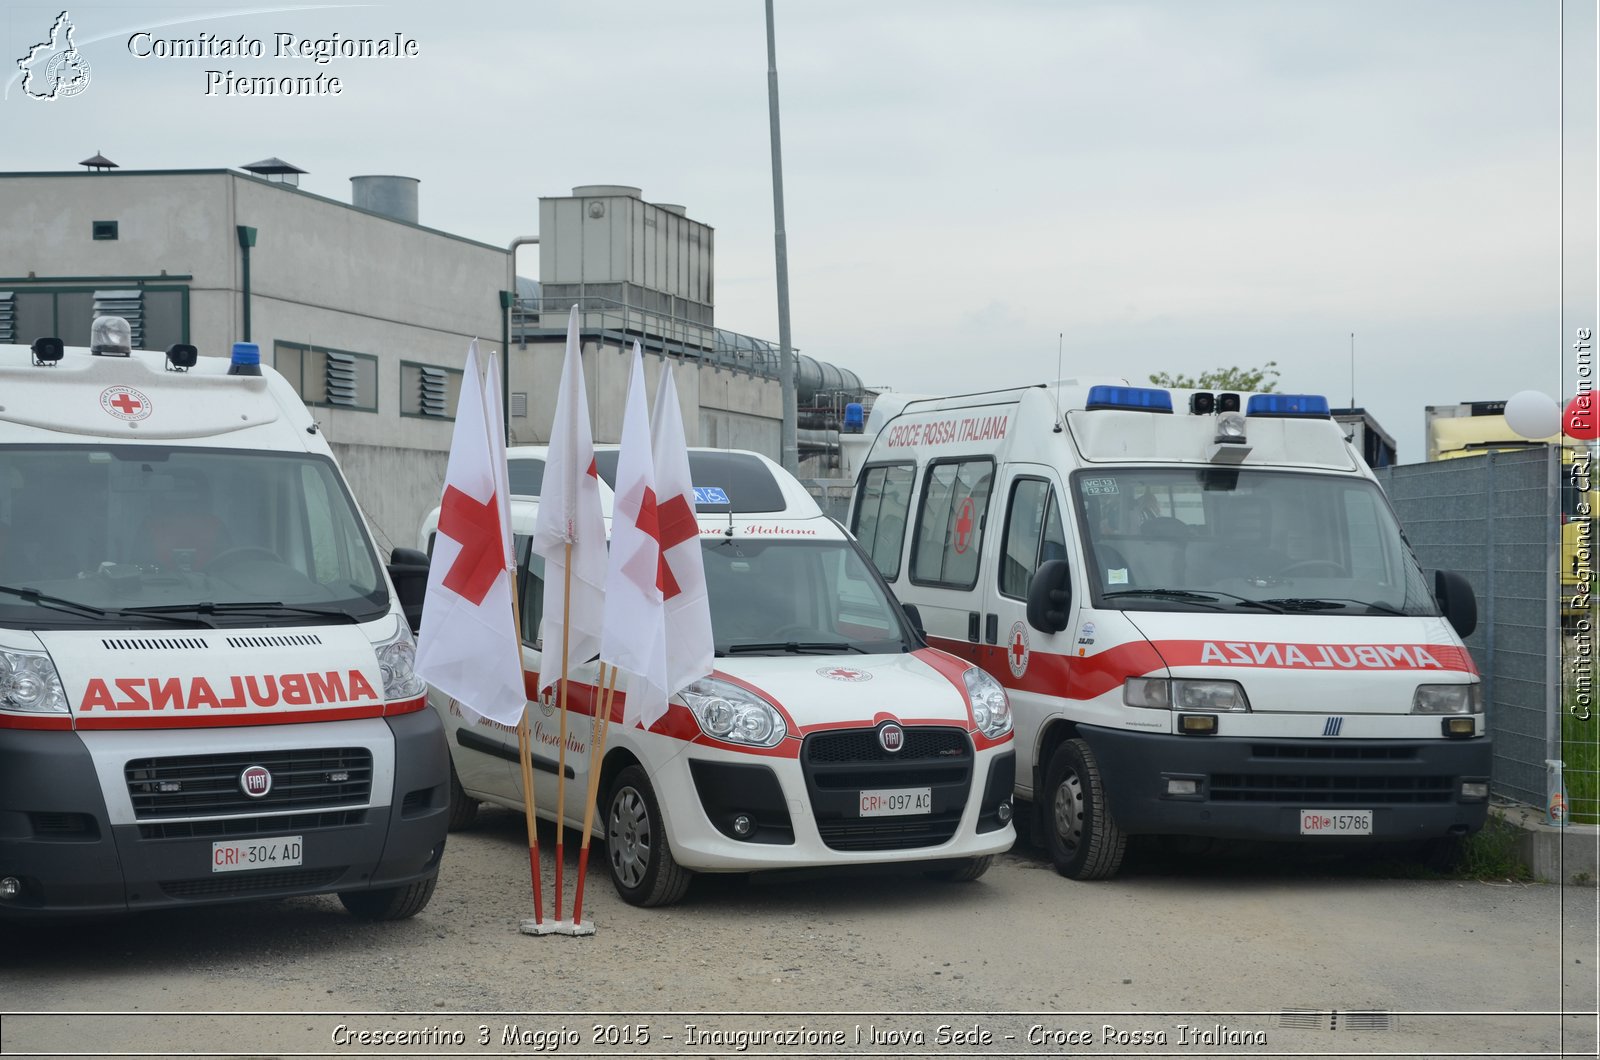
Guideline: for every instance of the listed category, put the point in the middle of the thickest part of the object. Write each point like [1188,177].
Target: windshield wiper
[1331,603]
[1165,594]
[796,647]
[55,603]
[76,607]
[241,607]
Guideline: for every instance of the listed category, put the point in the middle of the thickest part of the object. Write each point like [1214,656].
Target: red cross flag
[635,635]
[688,610]
[468,648]
[570,523]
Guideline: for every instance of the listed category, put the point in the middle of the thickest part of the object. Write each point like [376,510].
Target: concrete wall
[721,408]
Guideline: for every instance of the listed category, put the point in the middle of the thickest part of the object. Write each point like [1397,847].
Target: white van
[205,677]
[1201,605]
[829,733]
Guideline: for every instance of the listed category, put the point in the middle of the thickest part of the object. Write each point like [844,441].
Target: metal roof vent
[276,170]
[390,196]
[98,163]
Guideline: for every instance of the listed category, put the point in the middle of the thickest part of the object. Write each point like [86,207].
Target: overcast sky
[1156,185]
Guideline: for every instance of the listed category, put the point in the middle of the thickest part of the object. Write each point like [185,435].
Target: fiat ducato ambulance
[1203,609]
[206,691]
[828,734]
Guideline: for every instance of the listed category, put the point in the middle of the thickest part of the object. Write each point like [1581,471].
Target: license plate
[256,854]
[896,802]
[1335,822]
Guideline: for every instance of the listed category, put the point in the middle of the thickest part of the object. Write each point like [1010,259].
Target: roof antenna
[1059,343]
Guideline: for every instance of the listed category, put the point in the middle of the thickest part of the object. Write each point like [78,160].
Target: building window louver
[432,387]
[8,317]
[129,305]
[340,378]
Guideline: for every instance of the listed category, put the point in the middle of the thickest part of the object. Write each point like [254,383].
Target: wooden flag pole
[597,745]
[561,754]
[525,755]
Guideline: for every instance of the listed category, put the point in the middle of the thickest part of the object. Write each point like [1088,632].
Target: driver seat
[176,540]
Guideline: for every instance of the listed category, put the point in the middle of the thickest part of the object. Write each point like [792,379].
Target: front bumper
[1256,787]
[70,855]
[733,812]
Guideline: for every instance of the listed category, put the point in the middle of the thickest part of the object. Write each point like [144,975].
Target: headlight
[1159,693]
[732,714]
[29,682]
[1447,699]
[991,709]
[395,659]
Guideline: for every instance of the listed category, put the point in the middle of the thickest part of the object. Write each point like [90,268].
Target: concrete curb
[1568,855]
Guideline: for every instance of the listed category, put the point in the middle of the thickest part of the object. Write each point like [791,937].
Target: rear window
[744,480]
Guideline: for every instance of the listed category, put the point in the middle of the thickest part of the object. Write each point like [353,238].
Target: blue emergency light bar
[1129,399]
[246,359]
[1289,406]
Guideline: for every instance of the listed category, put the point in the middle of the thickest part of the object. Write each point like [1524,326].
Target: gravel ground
[1267,943]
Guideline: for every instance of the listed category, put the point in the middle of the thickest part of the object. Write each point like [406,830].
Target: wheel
[964,871]
[390,903]
[637,852]
[1083,840]
[463,807]
[1306,566]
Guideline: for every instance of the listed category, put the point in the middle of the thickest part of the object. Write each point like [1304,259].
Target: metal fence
[1495,519]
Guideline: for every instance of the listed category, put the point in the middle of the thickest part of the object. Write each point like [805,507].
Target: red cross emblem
[964,526]
[1017,650]
[125,403]
[843,673]
[677,525]
[475,526]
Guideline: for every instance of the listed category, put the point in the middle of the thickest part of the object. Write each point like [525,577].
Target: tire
[463,807]
[390,903]
[964,871]
[1083,840]
[637,853]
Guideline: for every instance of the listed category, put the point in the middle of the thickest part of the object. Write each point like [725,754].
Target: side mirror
[408,569]
[914,616]
[1456,601]
[1050,596]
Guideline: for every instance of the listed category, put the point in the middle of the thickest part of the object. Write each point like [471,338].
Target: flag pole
[525,756]
[597,747]
[561,754]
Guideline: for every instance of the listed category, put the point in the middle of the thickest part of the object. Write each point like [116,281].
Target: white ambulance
[829,733]
[1203,609]
[205,677]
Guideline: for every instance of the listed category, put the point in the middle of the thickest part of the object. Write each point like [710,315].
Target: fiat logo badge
[892,737]
[255,782]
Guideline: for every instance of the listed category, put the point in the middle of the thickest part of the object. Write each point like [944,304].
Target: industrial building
[368,312]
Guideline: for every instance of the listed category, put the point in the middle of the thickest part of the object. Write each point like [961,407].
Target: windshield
[147,536]
[1230,538]
[787,597]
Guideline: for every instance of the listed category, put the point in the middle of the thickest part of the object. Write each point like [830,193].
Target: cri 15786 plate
[1335,822]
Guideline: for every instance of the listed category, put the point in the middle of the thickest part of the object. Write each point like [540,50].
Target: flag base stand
[541,927]
[557,927]
[568,927]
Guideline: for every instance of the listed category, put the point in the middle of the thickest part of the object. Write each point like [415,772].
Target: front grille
[208,785]
[1331,789]
[231,884]
[861,745]
[839,765]
[244,827]
[1312,750]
